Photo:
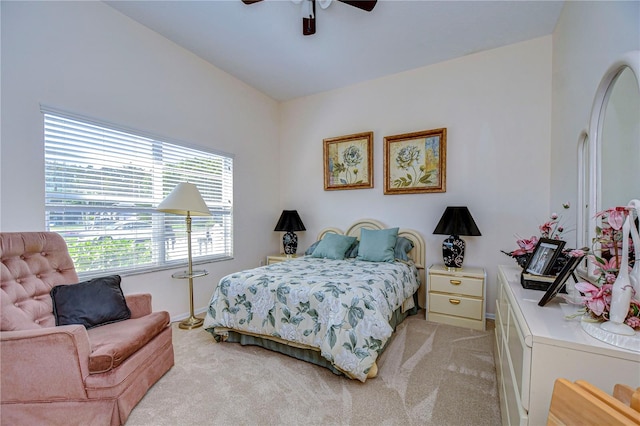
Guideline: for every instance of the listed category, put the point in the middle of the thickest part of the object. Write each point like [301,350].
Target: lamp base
[290,243]
[191,322]
[453,252]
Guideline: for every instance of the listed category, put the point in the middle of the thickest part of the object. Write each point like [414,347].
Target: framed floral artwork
[415,162]
[348,162]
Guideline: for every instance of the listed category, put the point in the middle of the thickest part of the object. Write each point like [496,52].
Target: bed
[333,312]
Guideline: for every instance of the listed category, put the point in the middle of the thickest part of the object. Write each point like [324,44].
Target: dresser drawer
[458,285]
[455,305]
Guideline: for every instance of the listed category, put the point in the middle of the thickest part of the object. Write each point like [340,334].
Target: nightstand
[275,258]
[456,297]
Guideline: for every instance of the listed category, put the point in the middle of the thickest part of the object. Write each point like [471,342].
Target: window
[103,184]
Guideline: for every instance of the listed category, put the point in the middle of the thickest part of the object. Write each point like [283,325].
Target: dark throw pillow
[311,248]
[352,253]
[91,303]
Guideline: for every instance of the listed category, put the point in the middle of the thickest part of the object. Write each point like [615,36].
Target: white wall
[588,38]
[87,58]
[513,116]
[496,106]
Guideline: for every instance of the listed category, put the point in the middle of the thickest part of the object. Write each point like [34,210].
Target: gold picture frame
[348,162]
[415,162]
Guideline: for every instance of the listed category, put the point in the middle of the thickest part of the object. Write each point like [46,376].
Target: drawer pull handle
[455,282]
[454,301]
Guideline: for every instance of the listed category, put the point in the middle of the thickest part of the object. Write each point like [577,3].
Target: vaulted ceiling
[262,43]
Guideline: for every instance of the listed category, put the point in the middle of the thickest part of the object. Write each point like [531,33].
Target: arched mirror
[583,188]
[609,158]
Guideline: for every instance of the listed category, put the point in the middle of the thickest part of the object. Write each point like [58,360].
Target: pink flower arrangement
[597,297]
[525,246]
[607,270]
[610,239]
[597,302]
[550,229]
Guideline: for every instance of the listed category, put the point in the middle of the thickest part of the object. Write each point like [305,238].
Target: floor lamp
[185,199]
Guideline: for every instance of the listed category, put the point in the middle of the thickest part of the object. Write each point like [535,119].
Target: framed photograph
[415,162]
[348,162]
[559,283]
[544,256]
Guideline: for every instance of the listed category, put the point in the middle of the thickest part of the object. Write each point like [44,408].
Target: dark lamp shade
[290,221]
[457,221]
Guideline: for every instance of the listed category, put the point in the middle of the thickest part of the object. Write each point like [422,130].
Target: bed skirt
[307,354]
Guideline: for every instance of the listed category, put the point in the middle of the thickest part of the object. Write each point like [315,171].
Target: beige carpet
[431,374]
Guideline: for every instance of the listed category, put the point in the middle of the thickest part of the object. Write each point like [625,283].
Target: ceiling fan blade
[367,5]
[250,1]
[309,20]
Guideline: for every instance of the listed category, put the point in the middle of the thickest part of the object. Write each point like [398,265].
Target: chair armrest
[139,304]
[44,364]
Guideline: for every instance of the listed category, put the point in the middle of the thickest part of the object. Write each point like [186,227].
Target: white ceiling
[262,44]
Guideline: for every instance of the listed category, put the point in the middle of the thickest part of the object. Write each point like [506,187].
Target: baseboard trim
[180,317]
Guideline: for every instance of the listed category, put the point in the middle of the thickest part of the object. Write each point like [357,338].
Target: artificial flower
[615,216]
[597,296]
[633,322]
[550,229]
[526,245]
[577,253]
[604,266]
[597,299]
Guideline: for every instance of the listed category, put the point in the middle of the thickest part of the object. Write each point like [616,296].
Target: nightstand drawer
[275,258]
[455,305]
[458,285]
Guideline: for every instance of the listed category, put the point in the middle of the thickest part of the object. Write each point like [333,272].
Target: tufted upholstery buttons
[120,353]
[31,263]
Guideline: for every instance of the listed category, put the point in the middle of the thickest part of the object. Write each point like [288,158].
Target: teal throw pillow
[311,248]
[333,246]
[377,245]
[402,248]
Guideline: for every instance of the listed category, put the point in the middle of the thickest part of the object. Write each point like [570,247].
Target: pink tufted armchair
[69,375]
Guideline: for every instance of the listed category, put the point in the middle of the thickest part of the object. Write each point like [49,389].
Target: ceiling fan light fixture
[307,9]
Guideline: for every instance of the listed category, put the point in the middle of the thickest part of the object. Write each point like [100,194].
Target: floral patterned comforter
[341,307]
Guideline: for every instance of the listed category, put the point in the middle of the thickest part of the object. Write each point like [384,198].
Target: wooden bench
[581,403]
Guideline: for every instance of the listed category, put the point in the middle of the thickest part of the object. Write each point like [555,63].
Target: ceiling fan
[309,10]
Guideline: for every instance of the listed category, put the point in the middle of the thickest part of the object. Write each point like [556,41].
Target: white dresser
[536,345]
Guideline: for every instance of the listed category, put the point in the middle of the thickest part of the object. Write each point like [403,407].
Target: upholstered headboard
[417,253]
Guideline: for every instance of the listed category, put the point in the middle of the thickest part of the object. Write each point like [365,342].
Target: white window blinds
[102,185]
